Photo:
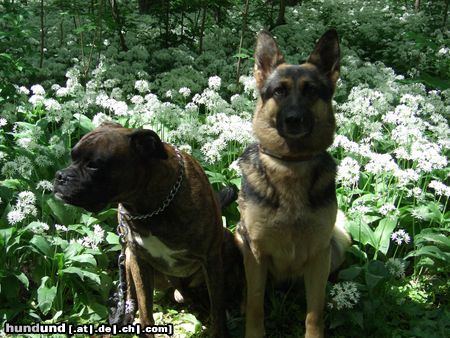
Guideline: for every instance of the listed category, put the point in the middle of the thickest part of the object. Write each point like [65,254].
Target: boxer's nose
[61,176]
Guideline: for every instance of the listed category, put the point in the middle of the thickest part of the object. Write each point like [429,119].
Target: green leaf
[82,274]
[84,258]
[65,214]
[7,233]
[383,234]
[83,122]
[112,238]
[432,252]
[42,245]
[24,279]
[361,232]
[429,235]
[372,280]
[13,184]
[377,268]
[46,296]
[350,273]
[236,181]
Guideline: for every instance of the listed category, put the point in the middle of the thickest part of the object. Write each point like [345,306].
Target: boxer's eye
[93,165]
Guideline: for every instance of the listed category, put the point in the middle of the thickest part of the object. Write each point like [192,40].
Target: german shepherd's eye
[310,90]
[279,92]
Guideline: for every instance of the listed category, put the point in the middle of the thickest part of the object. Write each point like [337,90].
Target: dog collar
[300,158]
[167,200]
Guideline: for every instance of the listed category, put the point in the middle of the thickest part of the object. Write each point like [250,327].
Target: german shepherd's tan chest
[282,223]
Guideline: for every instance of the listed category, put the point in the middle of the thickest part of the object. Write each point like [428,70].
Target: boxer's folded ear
[147,144]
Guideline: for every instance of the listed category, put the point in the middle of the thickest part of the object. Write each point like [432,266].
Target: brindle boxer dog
[288,199]
[168,207]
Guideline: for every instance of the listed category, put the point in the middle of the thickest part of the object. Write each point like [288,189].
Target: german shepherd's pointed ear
[267,57]
[147,144]
[326,55]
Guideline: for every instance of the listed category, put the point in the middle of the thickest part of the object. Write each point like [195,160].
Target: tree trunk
[61,32]
[417,5]
[167,24]
[41,61]
[202,27]
[241,42]
[144,6]
[119,24]
[444,23]
[281,13]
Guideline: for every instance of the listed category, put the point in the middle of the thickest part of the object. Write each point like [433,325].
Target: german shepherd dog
[287,200]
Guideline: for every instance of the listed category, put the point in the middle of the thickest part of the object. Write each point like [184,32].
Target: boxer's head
[107,165]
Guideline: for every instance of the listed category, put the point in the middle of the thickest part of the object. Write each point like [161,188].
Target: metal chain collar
[166,201]
[128,306]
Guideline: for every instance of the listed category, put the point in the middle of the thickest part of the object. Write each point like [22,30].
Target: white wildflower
[234,166]
[344,295]
[44,185]
[87,242]
[59,227]
[359,210]
[23,90]
[387,208]
[99,233]
[15,216]
[99,118]
[184,91]
[439,188]
[380,163]
[186,148]
[3,122]
[396,267]
[137,99]
[36,100]
[26,198]
[214,82]
[142,86]
[249,83]
[39,227]
[37,89]
[348,172]
[400,237]
[169,94]
[52,105]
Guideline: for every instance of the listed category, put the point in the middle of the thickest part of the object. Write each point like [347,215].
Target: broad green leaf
[383,234]
[377,268]
[432,252]
[82,274]
[350,273]
[24,279]
[236,181]
[13,184]
[84,258]
[84,122]
[112,238]
[431,236]
[42,245]
[7,233]
[65,214]
[372,280]
[46,296]
[362,233]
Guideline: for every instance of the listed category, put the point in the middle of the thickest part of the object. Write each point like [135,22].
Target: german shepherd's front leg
[142,278]
[256,275]
[316,276]
[213,274]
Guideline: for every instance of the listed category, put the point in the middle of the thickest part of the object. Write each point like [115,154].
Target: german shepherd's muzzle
[288,201]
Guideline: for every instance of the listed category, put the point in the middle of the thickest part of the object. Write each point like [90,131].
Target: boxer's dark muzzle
[72,187]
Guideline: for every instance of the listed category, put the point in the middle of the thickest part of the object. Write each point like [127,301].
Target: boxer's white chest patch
[157,249]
